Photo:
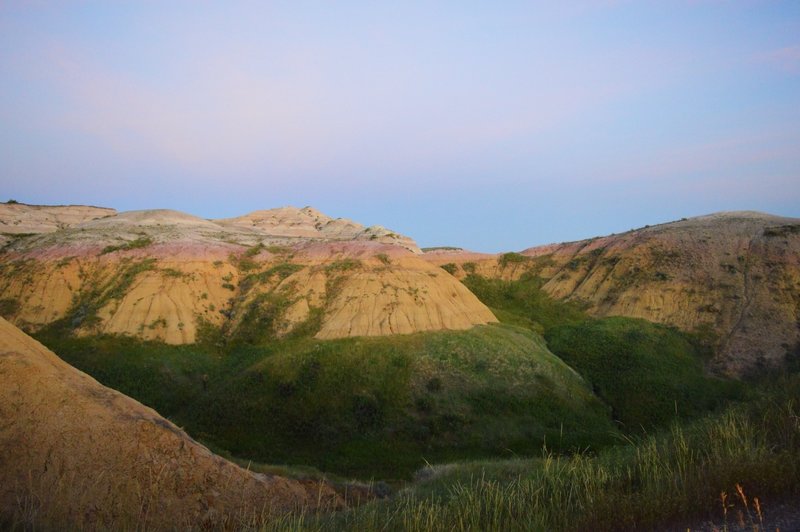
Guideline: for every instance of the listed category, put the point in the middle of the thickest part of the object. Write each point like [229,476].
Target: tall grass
[685,472]
[654,481]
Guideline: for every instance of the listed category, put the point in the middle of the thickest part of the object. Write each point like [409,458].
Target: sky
[493,126]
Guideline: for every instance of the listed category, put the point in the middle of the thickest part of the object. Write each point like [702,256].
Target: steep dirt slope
[76,453]
[165,275]
[732,276]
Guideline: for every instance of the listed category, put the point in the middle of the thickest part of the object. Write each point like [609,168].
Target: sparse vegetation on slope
[138,243]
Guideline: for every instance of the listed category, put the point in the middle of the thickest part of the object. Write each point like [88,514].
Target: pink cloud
[220,111]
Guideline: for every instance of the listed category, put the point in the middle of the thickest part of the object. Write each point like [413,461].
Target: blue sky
[493,126]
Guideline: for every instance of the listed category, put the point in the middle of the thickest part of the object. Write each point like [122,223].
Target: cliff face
[75,452]
[163,274]
[735,276]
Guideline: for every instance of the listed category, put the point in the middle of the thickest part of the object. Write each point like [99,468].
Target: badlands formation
[165,275]
[733,277]
[77,452]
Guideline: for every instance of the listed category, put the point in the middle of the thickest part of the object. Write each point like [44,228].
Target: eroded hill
[167,275]
[732,277]
[73,451]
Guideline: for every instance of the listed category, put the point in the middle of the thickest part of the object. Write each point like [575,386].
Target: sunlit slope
[733,277]
[163,275]
[74,451]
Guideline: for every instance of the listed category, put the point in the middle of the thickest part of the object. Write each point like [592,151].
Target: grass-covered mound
[648,373]
[371,407]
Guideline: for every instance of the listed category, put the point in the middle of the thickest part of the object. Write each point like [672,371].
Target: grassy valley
[554,418]
[383,407]
[648,374]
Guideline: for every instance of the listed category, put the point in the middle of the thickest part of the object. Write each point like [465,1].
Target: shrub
[253,251]
[450,268]
[9,307]
[246,264]
[511,258]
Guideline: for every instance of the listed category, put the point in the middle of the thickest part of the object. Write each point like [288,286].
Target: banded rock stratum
[165,275]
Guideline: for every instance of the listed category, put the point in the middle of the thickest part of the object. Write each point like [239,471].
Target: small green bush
[253,251]
[9,307]
[507,259]
[450,268]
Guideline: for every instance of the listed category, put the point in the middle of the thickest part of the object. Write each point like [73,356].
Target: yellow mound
[161,274]
[74,453]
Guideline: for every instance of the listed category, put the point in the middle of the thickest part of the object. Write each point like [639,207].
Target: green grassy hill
[648,374]
[368,407]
